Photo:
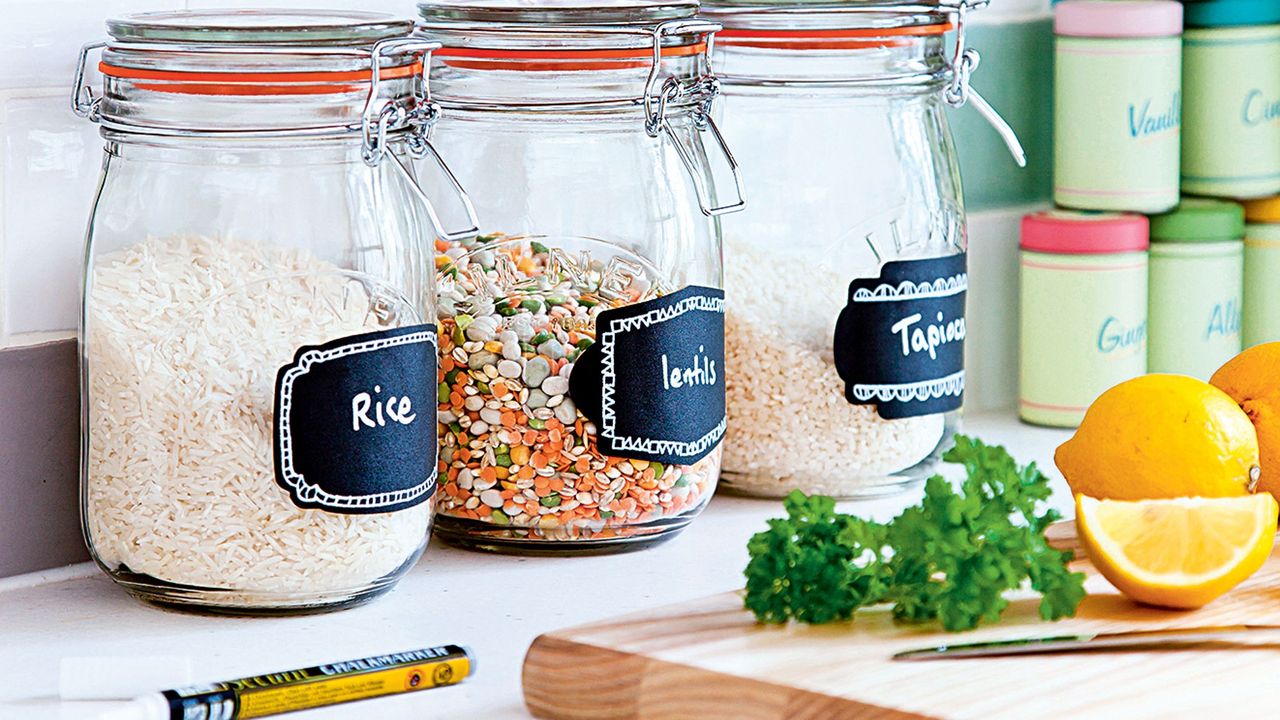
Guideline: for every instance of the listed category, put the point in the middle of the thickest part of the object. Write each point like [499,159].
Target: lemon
[1179,553]
[1250,378]
[1161,436]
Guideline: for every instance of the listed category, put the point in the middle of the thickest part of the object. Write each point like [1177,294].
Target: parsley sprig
[950,558]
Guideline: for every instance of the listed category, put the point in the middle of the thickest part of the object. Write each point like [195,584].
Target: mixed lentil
[515,452]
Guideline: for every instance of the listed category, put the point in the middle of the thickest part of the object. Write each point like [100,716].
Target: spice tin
[1117,104]
[1261,268]
[1231,66]
[1197,258]
[1083,310]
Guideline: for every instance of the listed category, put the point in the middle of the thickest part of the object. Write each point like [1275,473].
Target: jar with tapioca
[846,276]
[581,384]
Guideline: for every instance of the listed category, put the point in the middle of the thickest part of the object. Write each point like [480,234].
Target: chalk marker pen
[306,688]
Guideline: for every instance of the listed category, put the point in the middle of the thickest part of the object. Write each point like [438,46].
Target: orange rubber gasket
[559,59]
[832,39]
[255,83]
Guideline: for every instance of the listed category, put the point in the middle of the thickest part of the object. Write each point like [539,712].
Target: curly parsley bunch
[950,558]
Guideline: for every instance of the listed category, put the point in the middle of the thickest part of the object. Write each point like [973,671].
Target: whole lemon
[1252,378]
[1161,436]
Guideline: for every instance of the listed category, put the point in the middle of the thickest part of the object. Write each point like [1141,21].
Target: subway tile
[39,445]
[39,39]
[1016,77]
[991,344]
[50,161]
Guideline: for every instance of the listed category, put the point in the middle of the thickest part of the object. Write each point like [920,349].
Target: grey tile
[39,458]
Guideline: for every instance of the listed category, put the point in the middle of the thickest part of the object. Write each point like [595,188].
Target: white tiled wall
[49,158]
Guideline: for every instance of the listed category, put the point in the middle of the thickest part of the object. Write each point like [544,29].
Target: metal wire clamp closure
[959,92]
[658,95]
[703,93]
[417,115]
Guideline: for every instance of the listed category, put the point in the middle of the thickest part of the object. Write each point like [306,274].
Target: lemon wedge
[1181,552]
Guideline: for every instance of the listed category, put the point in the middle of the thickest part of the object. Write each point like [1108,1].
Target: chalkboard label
[653,382]
[355,424]
[899,342]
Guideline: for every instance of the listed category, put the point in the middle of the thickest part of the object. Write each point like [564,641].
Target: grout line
[1018,209]
[26,581]
[28,339]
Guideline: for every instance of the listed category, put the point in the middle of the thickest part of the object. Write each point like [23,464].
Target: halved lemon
[1181,552]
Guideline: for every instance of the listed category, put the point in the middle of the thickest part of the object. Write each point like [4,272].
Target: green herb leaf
[951,558]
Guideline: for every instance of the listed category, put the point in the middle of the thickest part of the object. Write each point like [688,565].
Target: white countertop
[495,604]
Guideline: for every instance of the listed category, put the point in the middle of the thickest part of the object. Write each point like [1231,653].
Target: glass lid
[868,15]
[557,12]
[260,27]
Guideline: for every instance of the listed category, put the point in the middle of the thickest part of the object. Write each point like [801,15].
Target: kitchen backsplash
[49,161]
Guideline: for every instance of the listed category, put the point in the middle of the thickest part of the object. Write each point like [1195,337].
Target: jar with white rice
[259,331]
[845,276]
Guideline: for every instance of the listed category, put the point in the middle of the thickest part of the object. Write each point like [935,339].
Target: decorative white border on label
[608,377]
[309,492]
[951,385]
[907,290]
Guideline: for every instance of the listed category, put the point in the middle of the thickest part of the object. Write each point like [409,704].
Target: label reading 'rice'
[653,382]
[899,342]
[355,425]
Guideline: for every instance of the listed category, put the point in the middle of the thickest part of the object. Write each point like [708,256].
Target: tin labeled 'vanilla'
[1117,104]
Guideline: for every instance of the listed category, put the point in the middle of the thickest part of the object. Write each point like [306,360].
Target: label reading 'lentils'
[899,342]
[355,425]
[653,382]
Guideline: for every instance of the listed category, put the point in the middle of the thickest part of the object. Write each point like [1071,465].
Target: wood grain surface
[709,659]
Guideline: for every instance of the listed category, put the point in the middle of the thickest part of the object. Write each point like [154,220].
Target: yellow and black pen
[305,688]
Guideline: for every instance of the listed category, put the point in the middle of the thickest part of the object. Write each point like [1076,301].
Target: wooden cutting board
[709,659]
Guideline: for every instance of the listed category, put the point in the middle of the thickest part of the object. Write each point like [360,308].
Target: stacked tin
[1171,110]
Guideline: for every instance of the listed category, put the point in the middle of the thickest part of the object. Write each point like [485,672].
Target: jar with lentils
[581,382]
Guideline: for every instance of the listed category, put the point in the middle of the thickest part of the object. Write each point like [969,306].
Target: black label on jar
[653,382]
[899,342]
[355,424]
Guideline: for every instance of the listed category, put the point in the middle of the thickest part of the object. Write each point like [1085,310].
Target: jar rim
[874,18]
[259,27]
[563,27]
[516,13]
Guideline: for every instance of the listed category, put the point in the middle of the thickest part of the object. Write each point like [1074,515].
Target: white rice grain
[185,336]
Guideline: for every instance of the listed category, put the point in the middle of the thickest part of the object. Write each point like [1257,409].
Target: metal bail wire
[83,101]
[418,115]
[658,96]
[959,92]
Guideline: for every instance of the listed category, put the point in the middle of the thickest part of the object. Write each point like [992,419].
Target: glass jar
[258,330]
[846,276]
[581,395]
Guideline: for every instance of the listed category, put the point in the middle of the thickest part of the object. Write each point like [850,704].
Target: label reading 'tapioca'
[899,342]
[355,427]
[653,382]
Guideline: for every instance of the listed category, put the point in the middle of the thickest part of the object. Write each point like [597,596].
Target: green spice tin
[1262,271]
[1083,325]
[1231,78]
[1196,285]
[1117,104]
